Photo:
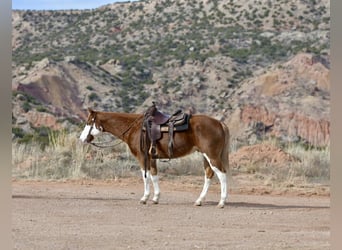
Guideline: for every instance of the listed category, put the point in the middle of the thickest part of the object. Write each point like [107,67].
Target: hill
[260,66]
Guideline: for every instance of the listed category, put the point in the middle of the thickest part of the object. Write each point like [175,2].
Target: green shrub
[18,132]
[26,106]
[94,97]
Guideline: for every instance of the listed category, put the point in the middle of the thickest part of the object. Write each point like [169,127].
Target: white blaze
[85,132]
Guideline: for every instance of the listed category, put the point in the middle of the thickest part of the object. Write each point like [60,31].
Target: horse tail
[225,150]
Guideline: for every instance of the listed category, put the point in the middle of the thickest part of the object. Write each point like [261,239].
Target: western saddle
[155,123]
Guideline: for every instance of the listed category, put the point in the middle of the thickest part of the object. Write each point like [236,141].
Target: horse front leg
[155,181]
[151,176]
[146,179]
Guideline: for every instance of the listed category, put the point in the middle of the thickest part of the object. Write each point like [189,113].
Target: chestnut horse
[205,134]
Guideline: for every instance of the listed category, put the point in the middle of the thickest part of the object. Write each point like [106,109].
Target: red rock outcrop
[291,125]
[290,102]
[265,154]
[38,119]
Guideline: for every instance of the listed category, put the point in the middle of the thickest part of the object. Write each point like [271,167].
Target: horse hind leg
[220,171]
[209,173]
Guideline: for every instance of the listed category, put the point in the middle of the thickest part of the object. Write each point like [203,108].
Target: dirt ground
[107,215]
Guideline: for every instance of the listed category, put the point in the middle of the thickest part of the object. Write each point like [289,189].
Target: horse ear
[90,110]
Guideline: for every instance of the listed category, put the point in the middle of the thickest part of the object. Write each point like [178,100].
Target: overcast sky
[59,4]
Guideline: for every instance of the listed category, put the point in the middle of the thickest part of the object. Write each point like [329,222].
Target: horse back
[206,126]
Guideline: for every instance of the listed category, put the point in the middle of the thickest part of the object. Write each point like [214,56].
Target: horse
[205,134]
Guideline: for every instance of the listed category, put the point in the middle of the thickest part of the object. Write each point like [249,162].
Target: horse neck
[118,124]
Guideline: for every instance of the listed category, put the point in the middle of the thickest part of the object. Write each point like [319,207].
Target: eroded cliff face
[290,127]
[57,92]
[290,102]
[51,93]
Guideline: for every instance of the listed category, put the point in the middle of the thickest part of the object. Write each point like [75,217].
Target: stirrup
[153,151]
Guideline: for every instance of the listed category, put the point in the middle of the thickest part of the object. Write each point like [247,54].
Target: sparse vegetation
[64,157]
[185,50]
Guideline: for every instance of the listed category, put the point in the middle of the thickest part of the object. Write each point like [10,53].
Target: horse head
[92,127]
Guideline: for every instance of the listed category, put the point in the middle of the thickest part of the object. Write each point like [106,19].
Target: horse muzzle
[89,138]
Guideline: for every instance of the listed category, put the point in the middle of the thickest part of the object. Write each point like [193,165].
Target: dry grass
[312,167]
[66,158]
[277,165]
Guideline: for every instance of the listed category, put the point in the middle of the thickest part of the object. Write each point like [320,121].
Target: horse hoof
[220,205]
[156,198]
[142,202]
[198,203]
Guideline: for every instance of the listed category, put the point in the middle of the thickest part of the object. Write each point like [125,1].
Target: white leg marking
[156,195]
[204,192]
[144,199]
[85,133]
[223,181]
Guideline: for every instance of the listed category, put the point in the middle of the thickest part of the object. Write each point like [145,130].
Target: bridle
[98,144]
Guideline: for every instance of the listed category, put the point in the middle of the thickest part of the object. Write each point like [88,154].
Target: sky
[59,4]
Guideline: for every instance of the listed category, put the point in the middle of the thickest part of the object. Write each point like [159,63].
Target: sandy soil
[107,215]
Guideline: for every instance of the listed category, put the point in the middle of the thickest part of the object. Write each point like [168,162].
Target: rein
[97,144]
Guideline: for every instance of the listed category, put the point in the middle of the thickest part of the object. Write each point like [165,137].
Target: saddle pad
[179,125]
[179,128]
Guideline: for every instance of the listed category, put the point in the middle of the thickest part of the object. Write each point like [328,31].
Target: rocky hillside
[260,66]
